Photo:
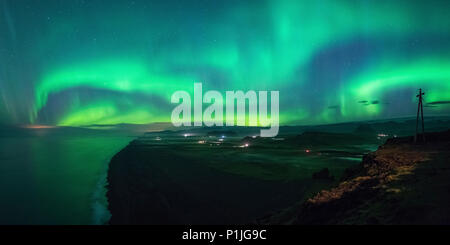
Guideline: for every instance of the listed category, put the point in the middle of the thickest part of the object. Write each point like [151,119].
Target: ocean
[56,176]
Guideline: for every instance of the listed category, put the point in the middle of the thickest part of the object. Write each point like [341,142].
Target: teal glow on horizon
[77,63]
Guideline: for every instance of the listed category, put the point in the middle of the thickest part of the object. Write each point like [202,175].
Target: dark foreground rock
[152,182]
[401,183]
[323,174]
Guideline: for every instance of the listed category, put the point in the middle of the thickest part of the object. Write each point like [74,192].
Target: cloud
[443,102]
[373,102]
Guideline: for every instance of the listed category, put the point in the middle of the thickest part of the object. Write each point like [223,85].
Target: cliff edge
[401,183]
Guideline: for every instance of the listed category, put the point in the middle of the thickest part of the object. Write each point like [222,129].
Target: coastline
[401,183]
[152,183]
[169,192]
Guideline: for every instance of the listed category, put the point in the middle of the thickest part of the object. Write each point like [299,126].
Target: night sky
[84,62]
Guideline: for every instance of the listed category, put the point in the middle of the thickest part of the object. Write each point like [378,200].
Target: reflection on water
[48,178]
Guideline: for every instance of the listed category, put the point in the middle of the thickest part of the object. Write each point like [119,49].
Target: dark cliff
[401,183]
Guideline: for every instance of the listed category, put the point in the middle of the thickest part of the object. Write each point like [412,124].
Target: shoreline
[390,186]
[168,178]
[157,179]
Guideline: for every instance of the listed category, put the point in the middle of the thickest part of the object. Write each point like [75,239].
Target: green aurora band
[153,49]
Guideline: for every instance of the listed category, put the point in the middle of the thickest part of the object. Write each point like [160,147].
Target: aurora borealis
[84,62]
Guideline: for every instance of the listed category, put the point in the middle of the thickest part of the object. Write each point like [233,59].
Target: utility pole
[420,109]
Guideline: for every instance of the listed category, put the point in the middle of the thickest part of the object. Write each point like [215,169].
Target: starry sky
[89,62]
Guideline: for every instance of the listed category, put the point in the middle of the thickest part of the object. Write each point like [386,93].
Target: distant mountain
[159,126]
[364,128]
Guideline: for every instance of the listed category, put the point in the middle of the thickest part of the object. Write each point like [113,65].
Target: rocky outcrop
[400,183]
